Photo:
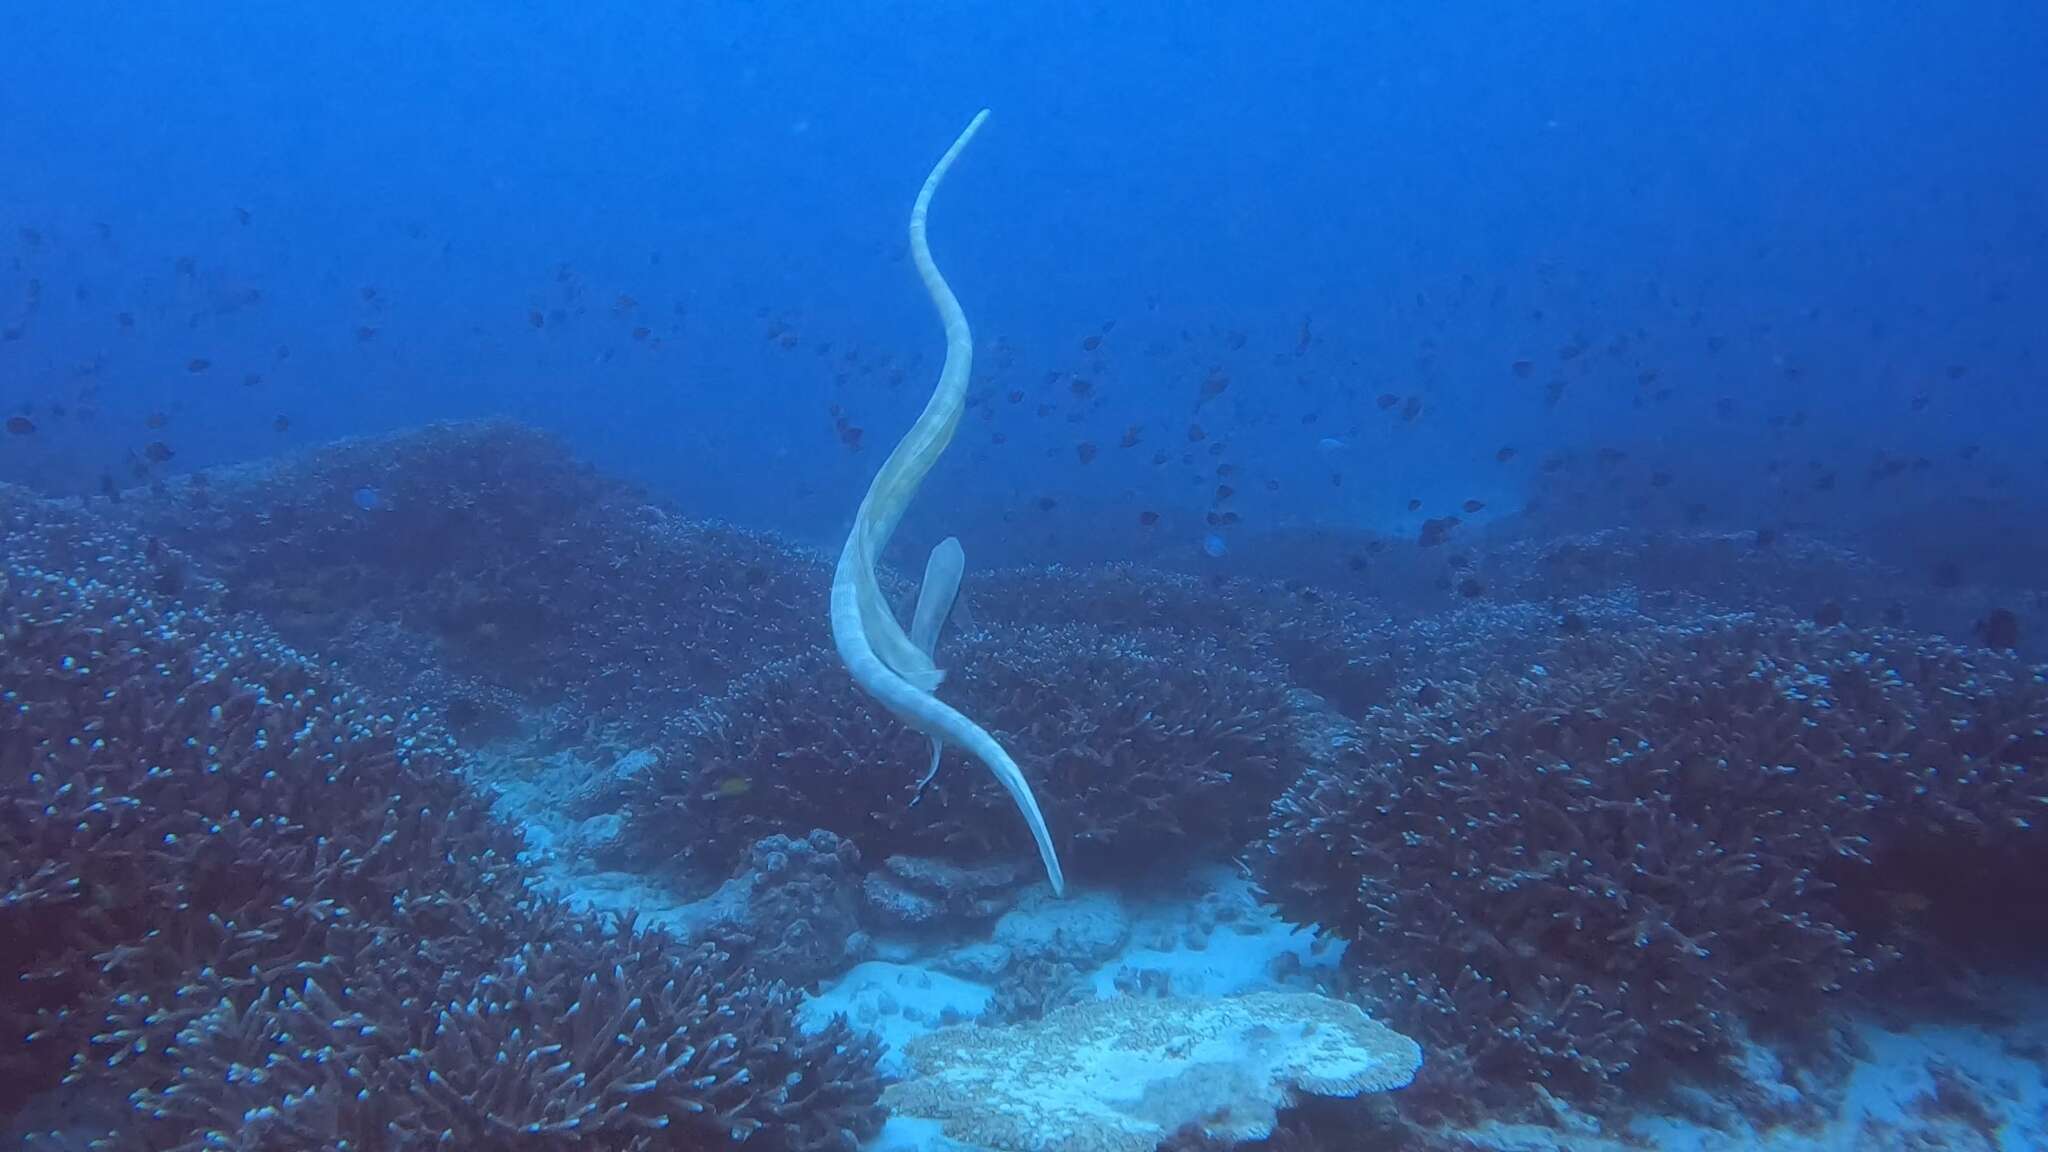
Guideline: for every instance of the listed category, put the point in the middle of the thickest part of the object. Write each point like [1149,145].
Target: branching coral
[1592,869]
[1155,750]
[494,574]
[278,919]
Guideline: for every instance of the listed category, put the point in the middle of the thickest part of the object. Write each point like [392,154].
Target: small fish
[1999,629]
[367,498]
[1086,451]
[21,426]
[1473,505]
[157,452]
[1504,455]
[1148,518]
[733,786]
[1436,531]
[198,364]
[282,423]
[1213,546]
[1330,445]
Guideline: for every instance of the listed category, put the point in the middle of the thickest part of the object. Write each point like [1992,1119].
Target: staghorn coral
[587,1039]
[1150,751]
[493,566]
[278,919]
[1314,639]
[1146,751]
[1596,868]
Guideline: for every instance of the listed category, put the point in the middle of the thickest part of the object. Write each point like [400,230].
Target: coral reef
[1309,637]
[1595,864]
[1328,1124]
[1146,751]
[278,918]
[1033,986]
[915,892]
[479,567]
[793,910]
[586,1039]
[1122,1075]
[1599,830]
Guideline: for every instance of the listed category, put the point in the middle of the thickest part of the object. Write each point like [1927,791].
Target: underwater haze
[1793,242]
[1479,581]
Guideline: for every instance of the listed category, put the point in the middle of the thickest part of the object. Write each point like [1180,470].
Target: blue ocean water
[1557,482]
